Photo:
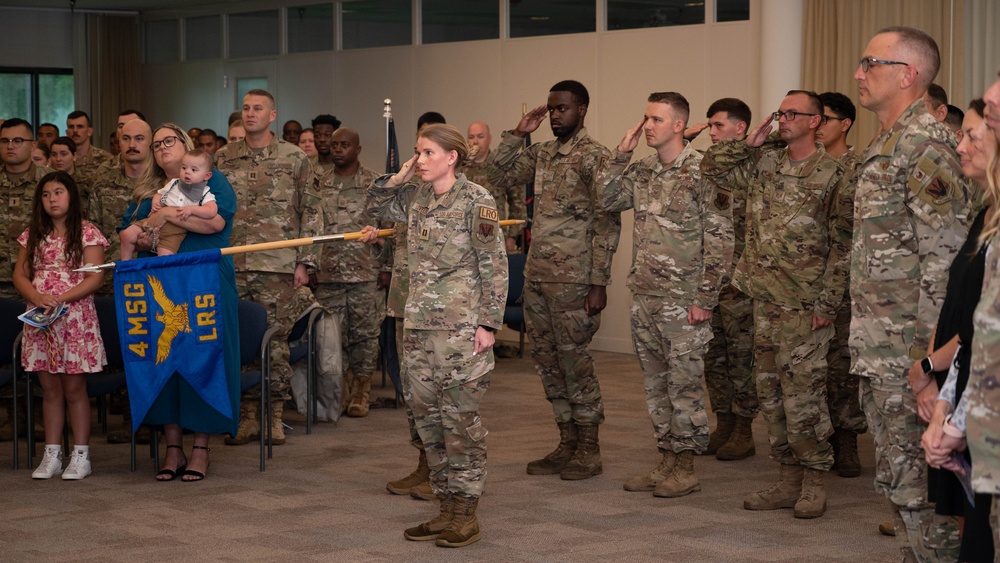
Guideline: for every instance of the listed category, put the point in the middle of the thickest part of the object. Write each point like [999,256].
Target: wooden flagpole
[288,244]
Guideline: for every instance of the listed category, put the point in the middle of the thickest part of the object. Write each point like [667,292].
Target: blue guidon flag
[170,321]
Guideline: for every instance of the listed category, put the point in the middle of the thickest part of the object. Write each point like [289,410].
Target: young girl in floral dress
[56,242]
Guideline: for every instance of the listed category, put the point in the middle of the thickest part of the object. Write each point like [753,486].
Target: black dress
[965,284]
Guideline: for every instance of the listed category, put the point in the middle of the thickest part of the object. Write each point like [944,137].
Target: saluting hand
[757,137]
[405,172]
[692,132]
[531,121]
[631,139]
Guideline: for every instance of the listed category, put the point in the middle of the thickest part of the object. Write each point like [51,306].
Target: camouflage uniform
[110,195]
[349,271]
[842,397]
[983,418]
[15,214]
[510,202]
[573,242]
[729,360]
[458,282]
[682,247]
[87,172]
[275,201]
[911,220]
[794,265]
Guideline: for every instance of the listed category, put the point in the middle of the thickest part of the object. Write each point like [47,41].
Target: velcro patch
[488,213]
[722,201]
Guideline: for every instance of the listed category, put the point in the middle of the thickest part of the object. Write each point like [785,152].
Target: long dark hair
[41,224]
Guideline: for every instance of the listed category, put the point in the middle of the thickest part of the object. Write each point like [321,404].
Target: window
[376,23]
[253,34]
[203,38]
[529,18]
[460,20]
[37,95]
[732,10]
[634,14]
[163,44]
[310,28]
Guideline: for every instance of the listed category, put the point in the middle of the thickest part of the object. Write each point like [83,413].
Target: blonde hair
[448,138]
[154,178]
[992,194]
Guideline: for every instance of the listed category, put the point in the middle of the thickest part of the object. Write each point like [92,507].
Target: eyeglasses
[165,143]
[789,115]
[866,63]
[827,118]
[15,142]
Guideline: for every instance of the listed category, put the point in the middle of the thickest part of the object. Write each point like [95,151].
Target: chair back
[107,318]
[515,277]
[253,325]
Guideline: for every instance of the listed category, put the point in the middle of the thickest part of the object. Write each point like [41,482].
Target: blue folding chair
[255,346]
[513,313]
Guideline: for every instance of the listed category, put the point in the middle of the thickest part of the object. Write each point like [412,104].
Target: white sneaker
[79,466]
[50,465]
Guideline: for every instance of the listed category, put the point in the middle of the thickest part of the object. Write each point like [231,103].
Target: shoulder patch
[721,201]
[485,226]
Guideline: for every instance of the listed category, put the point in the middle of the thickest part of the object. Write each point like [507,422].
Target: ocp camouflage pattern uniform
[682,248]
[458,282]
[842,398]
[794,265]
[729,360]
[510,199]
[573,242]
[17,194]
[110,195]
[399,289]
[983,391]
[86,168]
[911,214]
[275,201]
[348,272]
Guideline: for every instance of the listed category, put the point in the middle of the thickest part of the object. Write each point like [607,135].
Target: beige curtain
[113,58]
[836,33]
[982,45]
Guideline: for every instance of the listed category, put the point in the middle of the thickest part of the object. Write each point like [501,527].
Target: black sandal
[171,473]
[198,474]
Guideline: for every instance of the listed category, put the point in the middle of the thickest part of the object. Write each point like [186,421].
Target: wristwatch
[927,365]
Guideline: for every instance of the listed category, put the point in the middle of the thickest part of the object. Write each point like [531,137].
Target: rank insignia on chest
[425,233]
[253,175]
[14,202]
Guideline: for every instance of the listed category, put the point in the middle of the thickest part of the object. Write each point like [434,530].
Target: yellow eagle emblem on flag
[174,319]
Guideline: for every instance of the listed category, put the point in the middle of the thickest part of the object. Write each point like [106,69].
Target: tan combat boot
[464,526]
[277,430]
[724,423]
[740,444]
[812,501]
[249,429]
[359,399]
[431,529]
[586,461]
[783,494]
[554,463]
[406,485]
[847,462]
[682,480]
[649,481]
[423,491]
